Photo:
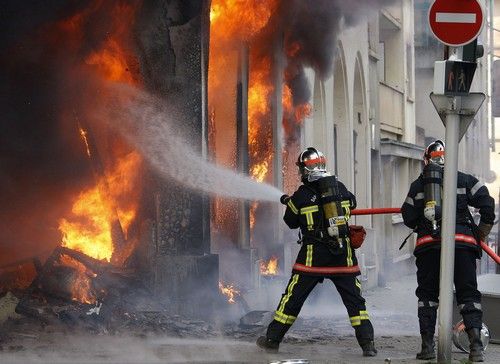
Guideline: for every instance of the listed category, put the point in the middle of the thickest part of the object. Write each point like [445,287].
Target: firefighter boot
[476,345]
[267,344]
[427,352]
[368,348]
[364,335]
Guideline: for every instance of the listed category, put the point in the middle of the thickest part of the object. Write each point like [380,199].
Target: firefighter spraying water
[321,208]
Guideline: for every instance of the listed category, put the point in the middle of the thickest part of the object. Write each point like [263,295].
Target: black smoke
[42,160]
[313,29]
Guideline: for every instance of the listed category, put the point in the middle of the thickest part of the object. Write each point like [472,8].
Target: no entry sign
[456,22]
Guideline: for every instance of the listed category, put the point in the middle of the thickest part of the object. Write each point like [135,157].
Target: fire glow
[89,228]
[81,290]
[111,204]
[236,25]
[229,291]
[269,268]
[83,134]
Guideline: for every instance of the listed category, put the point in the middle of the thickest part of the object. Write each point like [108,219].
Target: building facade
[374,118]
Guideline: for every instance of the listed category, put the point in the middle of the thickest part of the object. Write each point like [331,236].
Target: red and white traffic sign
[456,22]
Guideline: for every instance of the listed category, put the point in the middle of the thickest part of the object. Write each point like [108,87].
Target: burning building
[126,122]
[81,184]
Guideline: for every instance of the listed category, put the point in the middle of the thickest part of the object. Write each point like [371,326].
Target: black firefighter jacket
[470,192]
[305,211]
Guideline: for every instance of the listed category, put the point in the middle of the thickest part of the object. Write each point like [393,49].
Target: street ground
[323,338]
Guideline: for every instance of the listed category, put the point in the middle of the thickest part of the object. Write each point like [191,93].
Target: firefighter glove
[484,230]
[284,199]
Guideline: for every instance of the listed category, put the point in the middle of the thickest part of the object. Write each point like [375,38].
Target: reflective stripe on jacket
[470,192]
[304,211]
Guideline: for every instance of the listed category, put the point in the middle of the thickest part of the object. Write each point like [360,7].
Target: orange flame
[239,20]
[244,23]
[81,290]
[83,134]
[229,291]
[113,61]
[109,62]
[298,112]
[96,208]
[113,201]
[269,268]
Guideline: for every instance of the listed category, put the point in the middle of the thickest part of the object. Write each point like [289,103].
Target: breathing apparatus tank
[335,220]
[433,182]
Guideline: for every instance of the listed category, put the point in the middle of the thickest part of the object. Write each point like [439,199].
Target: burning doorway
[254,128]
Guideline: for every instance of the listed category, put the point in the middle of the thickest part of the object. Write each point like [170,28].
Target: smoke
[42,160]
[311,32]
[307,33]
[42,163]
[149,126]
[40,168]
[127,349]
[315,29]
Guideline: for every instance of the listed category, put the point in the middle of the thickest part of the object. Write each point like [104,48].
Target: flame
[81,290]
[296,112]
[95,210]
[110,63]
[269,268]
[239,20]
[112,202]
[246,23]
[259,135]
[259,171]
[229,291]
[83,134]
[112,60]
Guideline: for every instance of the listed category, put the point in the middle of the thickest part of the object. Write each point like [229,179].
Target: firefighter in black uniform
[321,209]
[422,212]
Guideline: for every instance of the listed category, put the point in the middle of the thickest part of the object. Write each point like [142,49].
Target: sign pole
[455,23]
[448,235]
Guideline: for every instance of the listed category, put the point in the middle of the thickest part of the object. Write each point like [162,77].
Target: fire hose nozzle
[284,199]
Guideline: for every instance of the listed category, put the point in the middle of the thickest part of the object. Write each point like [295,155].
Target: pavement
[322,334]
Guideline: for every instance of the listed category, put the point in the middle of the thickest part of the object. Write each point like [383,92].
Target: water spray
[148,126]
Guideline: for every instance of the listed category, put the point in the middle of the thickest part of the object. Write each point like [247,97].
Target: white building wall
[346,105]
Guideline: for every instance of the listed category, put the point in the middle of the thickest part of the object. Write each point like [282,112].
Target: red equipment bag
[357,234]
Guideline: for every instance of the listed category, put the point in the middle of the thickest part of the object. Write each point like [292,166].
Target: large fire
[237,24]
[89,229]
[108,208]
[238,20]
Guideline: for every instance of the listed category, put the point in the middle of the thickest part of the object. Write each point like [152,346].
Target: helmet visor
[437,157]
[315,164]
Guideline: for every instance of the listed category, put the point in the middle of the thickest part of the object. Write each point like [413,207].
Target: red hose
[386,210]
[397,210]
[490,252]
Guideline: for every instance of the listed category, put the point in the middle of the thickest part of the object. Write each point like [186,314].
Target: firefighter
[321,209]
[422,212]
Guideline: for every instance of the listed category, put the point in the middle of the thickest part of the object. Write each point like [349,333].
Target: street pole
[491,55]
[456,106]
[448,234]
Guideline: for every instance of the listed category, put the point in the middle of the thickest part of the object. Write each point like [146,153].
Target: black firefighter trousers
[298,289]
[467,295]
